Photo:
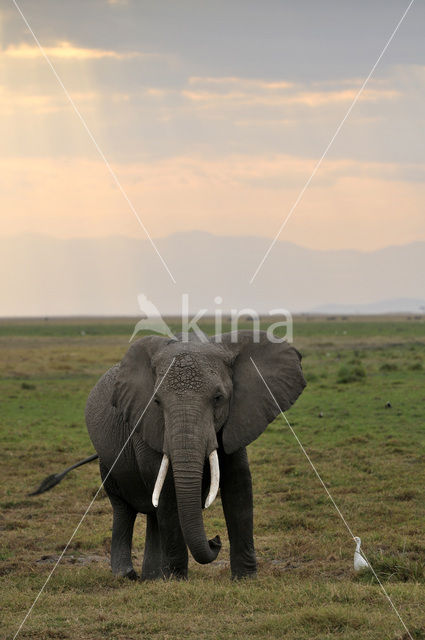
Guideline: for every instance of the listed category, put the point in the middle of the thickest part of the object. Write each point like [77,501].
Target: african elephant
[196,422]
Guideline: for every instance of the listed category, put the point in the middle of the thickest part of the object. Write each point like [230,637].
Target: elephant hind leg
[122,531]
[152,558]
[165,550]
[122,536]
[173,547]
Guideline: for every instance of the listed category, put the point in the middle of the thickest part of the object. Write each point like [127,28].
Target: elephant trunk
[188,485]
[189,438]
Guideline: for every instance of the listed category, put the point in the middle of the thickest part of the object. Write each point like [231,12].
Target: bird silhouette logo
[153,320]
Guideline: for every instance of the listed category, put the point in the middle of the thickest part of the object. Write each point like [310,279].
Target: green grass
[371,457]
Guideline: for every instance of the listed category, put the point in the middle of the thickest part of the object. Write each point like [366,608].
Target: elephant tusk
[215,478]
[160,480]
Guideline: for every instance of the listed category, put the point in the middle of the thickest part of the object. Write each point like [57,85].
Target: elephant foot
[129,574]
[174,574]
[165,574]
[244,566]
[150,578]
[244,575]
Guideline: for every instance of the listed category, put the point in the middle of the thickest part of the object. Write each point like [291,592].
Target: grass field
[371,457]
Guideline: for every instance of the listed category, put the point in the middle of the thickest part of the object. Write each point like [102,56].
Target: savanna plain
[361,420]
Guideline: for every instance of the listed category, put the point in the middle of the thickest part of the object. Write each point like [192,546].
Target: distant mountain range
[46,276]
[398,305]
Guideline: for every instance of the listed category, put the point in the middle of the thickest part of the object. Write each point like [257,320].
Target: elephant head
[195,391]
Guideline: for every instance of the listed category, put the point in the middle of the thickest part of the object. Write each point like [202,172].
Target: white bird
[359,561]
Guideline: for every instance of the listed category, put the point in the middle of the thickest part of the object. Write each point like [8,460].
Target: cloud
[253,83]
[135,115]
[155,92]
[12,102]
[66,51]
[237,92]
[19,104]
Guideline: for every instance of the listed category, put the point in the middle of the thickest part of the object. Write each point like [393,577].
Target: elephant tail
[54,479]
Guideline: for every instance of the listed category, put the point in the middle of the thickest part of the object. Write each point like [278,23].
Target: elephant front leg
[236,498]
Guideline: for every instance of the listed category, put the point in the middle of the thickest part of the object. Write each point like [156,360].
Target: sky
[213,116]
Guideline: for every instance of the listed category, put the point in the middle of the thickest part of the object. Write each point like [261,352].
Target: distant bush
[388,366]
[417,366]
[351,373]
[27,385]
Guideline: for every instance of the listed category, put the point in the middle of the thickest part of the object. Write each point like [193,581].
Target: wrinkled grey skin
[212,398]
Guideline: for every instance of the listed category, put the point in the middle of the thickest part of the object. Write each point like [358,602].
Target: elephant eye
[157,400]
[218,398]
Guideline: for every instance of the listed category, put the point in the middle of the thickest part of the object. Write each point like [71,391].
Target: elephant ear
[134,388]
[252,407]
